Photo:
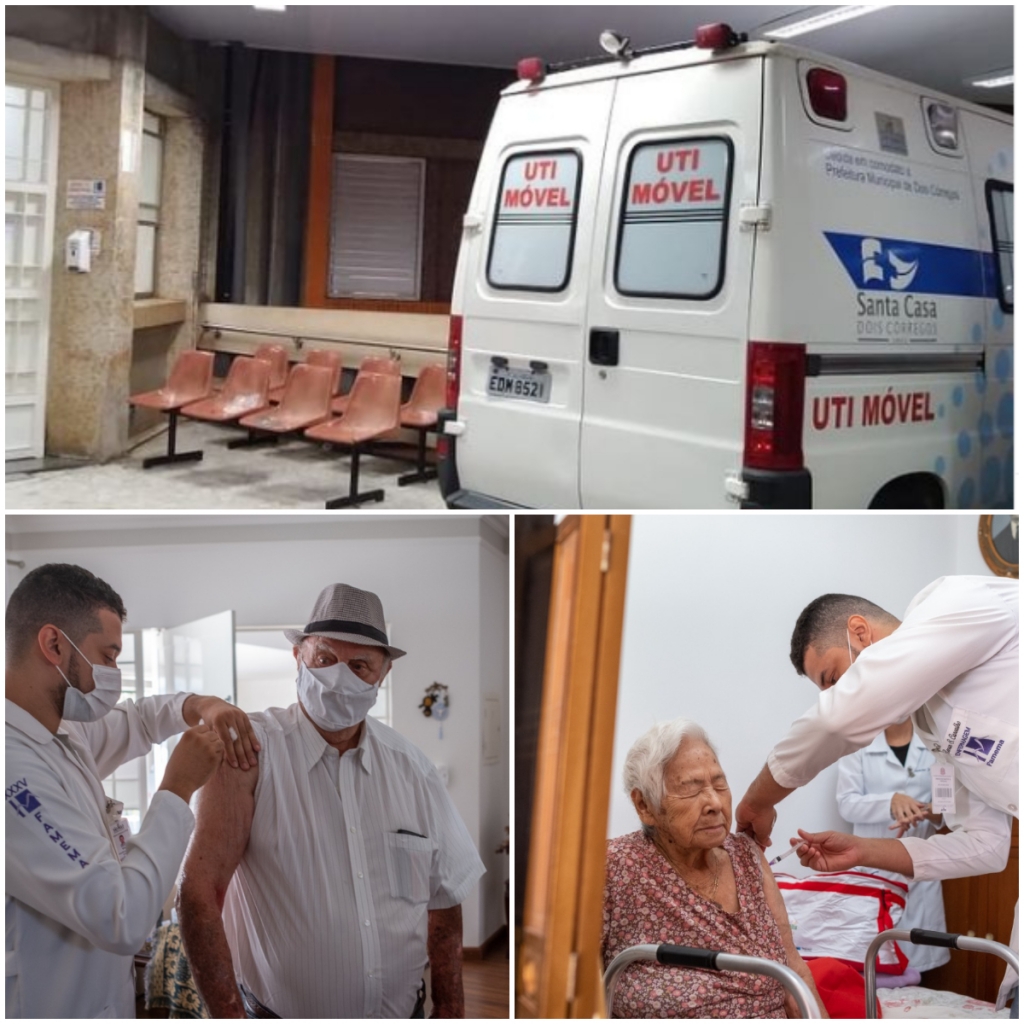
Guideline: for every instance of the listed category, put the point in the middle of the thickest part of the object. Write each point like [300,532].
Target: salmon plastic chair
[332,360]
[420,414]
[244,392]
[373,411]
[371,364]
[190,379]
[306,401]
[277,358]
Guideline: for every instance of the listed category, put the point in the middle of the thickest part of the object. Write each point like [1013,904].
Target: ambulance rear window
[535,223]
[1000,212]
[673,223]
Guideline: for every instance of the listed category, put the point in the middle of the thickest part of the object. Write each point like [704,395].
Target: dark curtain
[264,173]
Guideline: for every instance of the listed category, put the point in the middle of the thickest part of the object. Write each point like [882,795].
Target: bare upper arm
[776,904]
[223,820]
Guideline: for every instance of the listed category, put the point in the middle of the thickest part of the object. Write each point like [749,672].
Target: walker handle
[686,956]
[923,937]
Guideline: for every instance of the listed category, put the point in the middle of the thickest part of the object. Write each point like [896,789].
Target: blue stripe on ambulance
[900,265]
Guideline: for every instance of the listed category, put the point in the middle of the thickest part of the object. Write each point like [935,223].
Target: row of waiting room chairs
[269,400]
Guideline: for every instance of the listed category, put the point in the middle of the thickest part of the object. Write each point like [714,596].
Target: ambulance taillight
[826,90]
[775,406]
[532,70]
[454,363]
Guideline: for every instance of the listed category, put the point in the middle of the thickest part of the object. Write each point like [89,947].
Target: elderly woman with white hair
[685,879]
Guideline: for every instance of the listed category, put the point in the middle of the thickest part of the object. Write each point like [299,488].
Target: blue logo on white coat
[984,749]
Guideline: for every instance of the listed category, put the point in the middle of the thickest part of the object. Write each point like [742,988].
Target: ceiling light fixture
[993,80]
[270,7]
[819,21]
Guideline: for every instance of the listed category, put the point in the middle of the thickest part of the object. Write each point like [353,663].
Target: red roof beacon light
[717,37]
[827,92]
[532,69]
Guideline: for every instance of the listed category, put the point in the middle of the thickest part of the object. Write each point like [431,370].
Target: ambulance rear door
[524,300]
[670,289]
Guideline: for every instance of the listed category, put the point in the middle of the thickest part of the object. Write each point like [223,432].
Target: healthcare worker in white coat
[953,664]
[81,896]
[887,786]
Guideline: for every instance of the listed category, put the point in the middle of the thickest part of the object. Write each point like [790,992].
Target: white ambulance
[733,274]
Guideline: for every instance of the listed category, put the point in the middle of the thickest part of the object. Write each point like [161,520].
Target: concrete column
[92,314]
[180,217]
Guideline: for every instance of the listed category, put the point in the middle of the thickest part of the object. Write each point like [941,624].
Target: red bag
[841,989]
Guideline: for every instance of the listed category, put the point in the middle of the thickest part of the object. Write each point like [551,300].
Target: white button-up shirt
[326,915]
[76,914]
[954,665]
[867,781]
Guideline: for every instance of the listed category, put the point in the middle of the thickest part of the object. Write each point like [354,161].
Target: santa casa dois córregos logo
[885,266]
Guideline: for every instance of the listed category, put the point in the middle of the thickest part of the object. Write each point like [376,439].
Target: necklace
[714,887]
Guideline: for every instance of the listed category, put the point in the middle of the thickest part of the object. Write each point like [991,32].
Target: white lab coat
[75,914]
[867,781]
[954,665]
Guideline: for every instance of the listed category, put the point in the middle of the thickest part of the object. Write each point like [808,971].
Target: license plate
[527,385]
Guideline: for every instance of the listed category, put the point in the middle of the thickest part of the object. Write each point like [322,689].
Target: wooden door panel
[561,925]
[982,906]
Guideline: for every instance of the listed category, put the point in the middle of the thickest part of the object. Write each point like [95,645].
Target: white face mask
[88,707]
[335,697]
[849,647]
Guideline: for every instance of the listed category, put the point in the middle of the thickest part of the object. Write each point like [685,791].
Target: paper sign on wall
[87,194]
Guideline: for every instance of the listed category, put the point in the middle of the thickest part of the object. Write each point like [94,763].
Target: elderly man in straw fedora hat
[341,862]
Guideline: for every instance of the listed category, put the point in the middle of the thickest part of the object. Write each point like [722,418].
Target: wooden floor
[486,984]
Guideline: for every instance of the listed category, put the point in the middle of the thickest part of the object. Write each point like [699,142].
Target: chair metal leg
[255,439]
[423,471]
[354,497]
[172,455]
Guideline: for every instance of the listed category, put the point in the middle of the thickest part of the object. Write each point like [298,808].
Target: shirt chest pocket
[409,859]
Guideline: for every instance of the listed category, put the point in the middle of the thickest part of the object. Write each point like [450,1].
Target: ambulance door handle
[604,347]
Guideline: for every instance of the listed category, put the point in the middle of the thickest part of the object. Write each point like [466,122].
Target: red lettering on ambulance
[524,198]
[871,414]
[838,402]
[540,170]
[641,194]
[677,159]
[821,408]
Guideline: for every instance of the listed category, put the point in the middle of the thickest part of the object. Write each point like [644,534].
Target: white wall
[436,590]
[710,606]
[494,778]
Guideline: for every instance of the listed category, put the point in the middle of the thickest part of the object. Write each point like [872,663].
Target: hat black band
[341,626]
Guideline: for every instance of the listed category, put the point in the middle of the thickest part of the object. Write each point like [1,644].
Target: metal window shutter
[376,228]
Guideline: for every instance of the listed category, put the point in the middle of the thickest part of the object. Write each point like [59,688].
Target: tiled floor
[293,474]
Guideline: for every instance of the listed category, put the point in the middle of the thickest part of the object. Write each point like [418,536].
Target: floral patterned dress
[645,901]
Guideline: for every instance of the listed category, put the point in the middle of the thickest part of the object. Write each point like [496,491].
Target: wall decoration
[435,703]
[999,539]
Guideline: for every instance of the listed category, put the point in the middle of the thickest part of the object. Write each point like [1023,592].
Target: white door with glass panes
[669,295]
[30,145]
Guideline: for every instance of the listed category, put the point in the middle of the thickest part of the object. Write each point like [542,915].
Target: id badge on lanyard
[943,786]
[120,829]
